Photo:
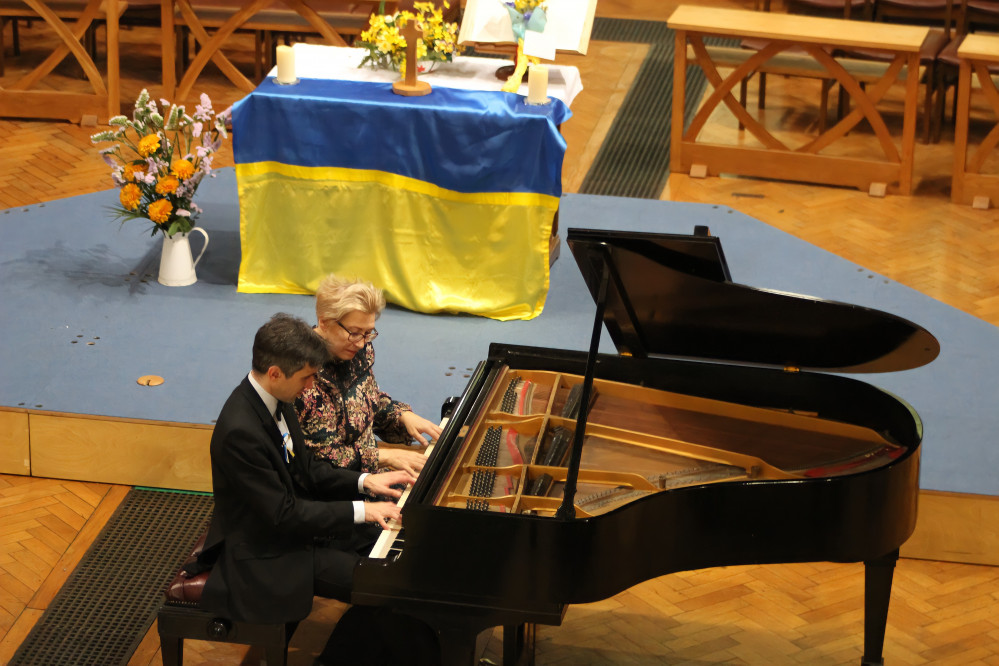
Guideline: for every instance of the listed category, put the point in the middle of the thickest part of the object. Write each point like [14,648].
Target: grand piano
[717,436]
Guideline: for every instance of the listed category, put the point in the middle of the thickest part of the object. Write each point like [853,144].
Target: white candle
[537,85]
[285,64]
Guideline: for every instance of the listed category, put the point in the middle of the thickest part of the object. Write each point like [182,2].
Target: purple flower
[204,110]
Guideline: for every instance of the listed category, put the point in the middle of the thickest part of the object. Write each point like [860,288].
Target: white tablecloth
[313,61]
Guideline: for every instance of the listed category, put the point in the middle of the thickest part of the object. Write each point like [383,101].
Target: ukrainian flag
[445,201]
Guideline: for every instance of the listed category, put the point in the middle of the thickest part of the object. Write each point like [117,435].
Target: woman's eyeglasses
[357,337]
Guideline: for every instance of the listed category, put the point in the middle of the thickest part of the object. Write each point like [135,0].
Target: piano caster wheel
[218,629]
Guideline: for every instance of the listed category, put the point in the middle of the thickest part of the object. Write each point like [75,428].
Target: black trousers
[334,561]
[376,636]
[367,635]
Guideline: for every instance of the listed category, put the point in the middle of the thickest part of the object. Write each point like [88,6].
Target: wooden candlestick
[411,86]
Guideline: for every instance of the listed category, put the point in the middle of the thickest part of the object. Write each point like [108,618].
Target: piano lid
[672,295]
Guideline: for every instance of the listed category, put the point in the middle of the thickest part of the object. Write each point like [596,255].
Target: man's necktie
[286,445]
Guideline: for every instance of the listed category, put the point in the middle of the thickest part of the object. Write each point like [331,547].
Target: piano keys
[721,436]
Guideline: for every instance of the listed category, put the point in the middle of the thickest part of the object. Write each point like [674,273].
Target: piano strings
[639,441]
[500,448]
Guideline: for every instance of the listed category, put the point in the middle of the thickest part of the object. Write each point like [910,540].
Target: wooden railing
[810,41]
[69,20]
[213,22]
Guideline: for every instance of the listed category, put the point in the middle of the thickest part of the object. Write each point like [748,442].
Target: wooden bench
[73,22]
[332,20]
[181,617]
[792,41]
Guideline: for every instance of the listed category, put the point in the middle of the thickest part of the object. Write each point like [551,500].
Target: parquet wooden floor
[941,613]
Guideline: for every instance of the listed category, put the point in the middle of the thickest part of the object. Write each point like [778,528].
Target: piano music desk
[971,184]
[767,156]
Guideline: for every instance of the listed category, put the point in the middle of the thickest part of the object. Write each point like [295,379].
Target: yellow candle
[537,85]
[285,64]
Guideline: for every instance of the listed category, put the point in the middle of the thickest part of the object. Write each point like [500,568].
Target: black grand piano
[717,437]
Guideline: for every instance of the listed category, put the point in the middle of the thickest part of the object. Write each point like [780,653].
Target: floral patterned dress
[343,412]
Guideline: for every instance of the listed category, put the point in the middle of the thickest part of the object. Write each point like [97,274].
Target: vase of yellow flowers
[387,47]
[157,162]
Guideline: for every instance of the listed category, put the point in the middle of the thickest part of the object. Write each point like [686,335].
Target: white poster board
[569,24]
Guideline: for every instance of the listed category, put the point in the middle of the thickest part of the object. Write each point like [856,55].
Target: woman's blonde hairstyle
[336,297]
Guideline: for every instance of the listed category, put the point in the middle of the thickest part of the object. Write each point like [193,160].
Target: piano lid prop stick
[567,510]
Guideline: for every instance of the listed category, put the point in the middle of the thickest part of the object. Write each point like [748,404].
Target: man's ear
[274,373]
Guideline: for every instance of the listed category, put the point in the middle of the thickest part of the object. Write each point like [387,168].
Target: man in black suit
[284,528]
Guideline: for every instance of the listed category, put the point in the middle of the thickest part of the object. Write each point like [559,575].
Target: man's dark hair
[289,343]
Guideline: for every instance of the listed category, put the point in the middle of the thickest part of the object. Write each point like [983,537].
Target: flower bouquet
[387,47]
[158,163]
[526,15]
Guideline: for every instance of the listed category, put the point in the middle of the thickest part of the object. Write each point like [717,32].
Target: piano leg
[457,647]
[877,594]
[518,644]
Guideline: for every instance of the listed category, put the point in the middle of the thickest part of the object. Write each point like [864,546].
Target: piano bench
[181,616]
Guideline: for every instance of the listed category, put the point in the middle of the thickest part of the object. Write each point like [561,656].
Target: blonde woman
[345,410]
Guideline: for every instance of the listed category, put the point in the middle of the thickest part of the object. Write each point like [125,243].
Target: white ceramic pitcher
[176,264]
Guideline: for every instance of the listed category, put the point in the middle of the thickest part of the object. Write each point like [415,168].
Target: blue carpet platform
[83,318]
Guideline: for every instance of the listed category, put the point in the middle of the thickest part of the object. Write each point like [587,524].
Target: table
[783,35]
[444,201]
[69,21]
[969,184]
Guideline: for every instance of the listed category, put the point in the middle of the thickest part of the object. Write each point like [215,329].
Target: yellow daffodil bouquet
[158,163]
[387,47]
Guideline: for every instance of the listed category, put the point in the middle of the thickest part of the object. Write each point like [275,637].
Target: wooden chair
[847,9]
[941,16]
[974,14]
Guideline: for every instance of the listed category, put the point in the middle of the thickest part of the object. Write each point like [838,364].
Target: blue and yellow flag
[445,201]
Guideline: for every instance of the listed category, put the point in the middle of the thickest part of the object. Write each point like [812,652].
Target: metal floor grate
[633,160]
[105,608]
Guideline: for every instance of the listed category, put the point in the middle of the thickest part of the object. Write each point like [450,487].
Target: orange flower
[167,185]
[130,195]
[183,169]
[128,173]
[159,210]
[149,144]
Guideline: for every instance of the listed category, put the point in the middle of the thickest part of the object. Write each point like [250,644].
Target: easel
[411,86]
